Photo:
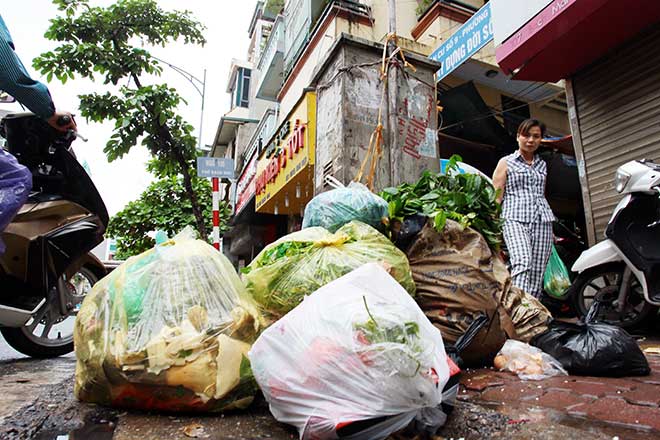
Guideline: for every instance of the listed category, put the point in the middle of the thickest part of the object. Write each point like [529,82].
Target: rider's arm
[15,80]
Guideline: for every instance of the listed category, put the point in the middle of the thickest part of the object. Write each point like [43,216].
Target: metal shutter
[617,102]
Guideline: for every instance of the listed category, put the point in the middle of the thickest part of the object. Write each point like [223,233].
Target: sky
[123,180]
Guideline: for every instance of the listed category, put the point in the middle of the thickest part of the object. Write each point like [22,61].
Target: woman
[527,215]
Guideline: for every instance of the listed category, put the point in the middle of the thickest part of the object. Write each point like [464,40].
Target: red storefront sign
[278,162]
[245,187]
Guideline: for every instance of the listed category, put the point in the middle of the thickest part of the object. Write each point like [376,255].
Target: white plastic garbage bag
[357,349]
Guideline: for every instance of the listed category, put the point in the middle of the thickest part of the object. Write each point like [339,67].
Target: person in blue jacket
[15,179]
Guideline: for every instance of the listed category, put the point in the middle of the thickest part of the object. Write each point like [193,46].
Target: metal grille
[618,109]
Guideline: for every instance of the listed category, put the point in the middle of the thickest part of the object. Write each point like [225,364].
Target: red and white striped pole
[216,212]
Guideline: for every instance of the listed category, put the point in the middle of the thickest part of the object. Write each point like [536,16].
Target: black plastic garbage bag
[593,349]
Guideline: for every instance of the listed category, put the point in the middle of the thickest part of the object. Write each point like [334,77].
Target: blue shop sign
[465,42]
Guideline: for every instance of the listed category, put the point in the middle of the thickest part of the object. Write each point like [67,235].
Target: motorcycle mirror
[6,98]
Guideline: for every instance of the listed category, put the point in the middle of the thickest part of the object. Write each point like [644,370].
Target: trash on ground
[169,329]
[652,350]
[528,362]
[195,430]
[299,263]
[593,349]
[458,279]
[333,209]
[357,357]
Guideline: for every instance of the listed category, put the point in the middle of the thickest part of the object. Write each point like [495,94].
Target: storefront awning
[570,34]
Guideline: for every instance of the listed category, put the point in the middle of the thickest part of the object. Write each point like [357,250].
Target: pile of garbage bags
[348,331]
[169,330]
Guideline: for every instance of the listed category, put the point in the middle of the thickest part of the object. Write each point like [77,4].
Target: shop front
[611,83]
[284,181]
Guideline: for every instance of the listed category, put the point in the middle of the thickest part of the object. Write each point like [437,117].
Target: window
[241,95]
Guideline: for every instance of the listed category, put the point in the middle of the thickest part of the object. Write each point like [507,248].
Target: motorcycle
[47,268]
[622,273]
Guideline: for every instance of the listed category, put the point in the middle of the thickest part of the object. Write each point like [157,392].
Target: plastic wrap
[299,263]
[15,185]
[333,209]
[169,330]
[528,362]
[356,350]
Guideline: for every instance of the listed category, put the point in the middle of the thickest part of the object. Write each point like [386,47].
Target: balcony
[303,17]
[271,63]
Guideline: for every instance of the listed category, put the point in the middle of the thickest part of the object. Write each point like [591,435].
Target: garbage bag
[168,330]
[15,186]
[459,279]
[333,209]
[528,362]
[593,349]
[299,263]
[556,279]
[357,357]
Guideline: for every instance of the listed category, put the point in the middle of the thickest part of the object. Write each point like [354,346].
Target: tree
[164,206]
[101,41]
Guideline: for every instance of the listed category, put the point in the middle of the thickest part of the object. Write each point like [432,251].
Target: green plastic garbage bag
[300,263]
[556,279]
[333,209]
[168,330]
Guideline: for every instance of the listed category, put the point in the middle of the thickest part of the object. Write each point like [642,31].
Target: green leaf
[439,221]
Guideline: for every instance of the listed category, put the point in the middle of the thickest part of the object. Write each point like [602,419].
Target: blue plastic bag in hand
[335,208]
[15,186]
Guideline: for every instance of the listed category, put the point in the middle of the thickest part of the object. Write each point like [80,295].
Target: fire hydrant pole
[216,212]
[392,88]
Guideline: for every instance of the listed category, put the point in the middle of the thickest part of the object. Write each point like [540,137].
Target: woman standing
[527,215]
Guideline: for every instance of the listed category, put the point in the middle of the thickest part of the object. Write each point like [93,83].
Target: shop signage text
[278,162]
[465,42]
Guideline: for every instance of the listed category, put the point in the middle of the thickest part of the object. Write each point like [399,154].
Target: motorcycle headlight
[621,180]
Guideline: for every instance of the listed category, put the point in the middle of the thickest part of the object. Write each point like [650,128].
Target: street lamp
[197,83]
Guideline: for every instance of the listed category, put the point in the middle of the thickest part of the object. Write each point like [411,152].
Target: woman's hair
[527,124]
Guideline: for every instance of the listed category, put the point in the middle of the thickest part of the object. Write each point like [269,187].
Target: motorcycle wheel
[603,283]
[48,333]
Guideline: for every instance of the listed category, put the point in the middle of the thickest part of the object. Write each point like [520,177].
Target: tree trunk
[187,183]
[166,137]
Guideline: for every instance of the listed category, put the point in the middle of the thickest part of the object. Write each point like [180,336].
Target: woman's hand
[499,178]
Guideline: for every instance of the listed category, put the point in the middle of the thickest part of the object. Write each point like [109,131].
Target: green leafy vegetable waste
[469,199]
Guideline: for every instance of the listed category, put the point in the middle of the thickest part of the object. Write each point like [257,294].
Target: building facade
[306,100]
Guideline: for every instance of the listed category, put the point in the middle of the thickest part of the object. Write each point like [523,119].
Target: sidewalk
[629,403]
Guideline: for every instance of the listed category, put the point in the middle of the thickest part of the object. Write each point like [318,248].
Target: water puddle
[532,414]
[96,426]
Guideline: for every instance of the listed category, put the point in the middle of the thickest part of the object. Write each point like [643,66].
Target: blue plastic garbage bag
[15,186]
[337,207]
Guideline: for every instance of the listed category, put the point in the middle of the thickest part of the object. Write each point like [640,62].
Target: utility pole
[394,152]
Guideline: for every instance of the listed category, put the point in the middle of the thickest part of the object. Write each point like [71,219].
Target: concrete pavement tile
[479,383]
[617,411]
[512,392]
[562,400]
[596,389]
[645,395]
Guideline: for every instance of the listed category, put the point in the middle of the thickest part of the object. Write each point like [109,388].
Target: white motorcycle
[622,273]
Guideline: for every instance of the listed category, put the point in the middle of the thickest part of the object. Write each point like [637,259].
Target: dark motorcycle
[47,268]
